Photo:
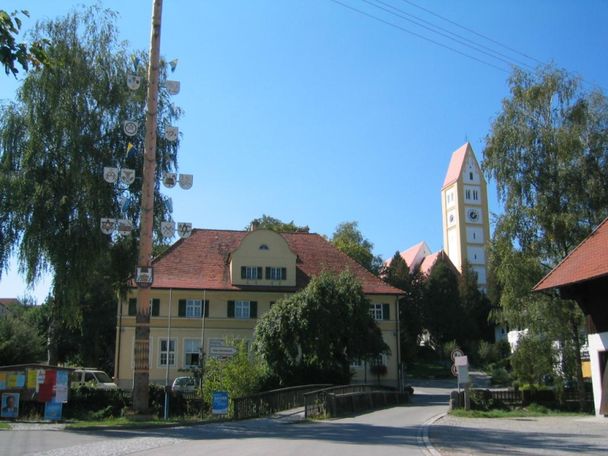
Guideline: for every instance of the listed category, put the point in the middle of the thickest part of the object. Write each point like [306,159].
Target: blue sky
[307,110]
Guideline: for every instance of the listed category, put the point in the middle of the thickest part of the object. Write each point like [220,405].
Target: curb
[423,435]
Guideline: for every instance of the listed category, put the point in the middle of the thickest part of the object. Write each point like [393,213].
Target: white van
[92,377]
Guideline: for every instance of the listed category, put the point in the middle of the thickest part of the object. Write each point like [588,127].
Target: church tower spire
[464,204]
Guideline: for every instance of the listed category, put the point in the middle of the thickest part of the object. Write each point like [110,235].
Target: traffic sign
[456,352]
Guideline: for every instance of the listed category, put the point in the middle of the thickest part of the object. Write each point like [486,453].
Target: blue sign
[52,411]
[219,403]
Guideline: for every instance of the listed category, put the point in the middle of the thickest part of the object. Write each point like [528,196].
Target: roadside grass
[127,423]
[4,425]
[418,369]
[533,410]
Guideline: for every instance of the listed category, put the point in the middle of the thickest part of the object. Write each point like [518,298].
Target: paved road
[395,431]
[585,435]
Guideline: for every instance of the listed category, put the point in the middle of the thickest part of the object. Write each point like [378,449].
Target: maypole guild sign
[144,276]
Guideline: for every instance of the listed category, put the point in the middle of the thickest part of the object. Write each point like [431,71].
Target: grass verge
[4,425]
[530,411]
[127,423]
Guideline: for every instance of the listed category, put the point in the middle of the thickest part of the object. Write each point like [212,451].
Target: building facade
[216,284]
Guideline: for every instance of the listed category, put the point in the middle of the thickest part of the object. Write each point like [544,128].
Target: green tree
[475,306]
[398,274]
[348,239]
[270,223]
[20,341]
[299,337]
[548,152]
[533,359]
[240,375]
[441,300]
[12,52]
[63,128]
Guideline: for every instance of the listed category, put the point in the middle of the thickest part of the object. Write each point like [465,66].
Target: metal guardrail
[324,402]
[269,402]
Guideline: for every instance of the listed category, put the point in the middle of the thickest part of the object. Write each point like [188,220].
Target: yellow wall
[263,248]
[216,326]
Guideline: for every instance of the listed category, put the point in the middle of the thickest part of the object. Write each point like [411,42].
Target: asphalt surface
[421,428]
[579,435]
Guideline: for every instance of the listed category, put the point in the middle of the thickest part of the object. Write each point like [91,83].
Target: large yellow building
[214,286]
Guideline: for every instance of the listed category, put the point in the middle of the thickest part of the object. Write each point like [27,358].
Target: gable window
[242,309]
[275,273]
[251,272]
[192,353]
[193,308]
[167,352]
[379,311]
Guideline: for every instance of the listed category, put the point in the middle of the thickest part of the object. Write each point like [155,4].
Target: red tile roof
[202,261]
[589,260]
[456,163]
[413,256]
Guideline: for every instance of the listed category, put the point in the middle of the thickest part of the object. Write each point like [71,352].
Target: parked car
[184,385]
[92,377]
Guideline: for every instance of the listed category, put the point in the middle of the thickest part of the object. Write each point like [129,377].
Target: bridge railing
[269,402]
[337,400]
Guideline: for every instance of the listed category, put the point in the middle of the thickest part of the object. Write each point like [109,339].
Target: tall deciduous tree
[12,52]
[270,223]
[398,274]
[64,127]
[299,337]
[548,152]
[349,239]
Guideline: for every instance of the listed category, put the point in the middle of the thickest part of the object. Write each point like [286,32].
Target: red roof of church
[589,260]
[456,163]
[409,255]
[202,261]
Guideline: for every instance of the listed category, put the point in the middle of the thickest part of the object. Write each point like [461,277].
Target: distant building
[465,222]
[464,208]
[215,285]
[6,304]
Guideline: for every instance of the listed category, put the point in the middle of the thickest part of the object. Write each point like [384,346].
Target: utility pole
[142,321]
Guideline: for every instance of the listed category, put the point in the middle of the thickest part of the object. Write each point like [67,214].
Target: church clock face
[473,215]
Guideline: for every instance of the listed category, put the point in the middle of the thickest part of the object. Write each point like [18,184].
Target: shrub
[87,403]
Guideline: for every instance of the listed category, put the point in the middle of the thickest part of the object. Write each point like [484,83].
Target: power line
[434,28]
[473,31]
[403,29]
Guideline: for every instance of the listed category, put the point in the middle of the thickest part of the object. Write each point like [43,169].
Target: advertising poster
[219,403]
[52,411]
[10,405]
[2,380]
[32,378]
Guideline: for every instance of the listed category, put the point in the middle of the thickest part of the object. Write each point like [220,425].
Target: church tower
[464,207]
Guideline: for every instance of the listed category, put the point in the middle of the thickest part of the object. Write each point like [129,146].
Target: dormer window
[264,247]
[251,272]
[274,273]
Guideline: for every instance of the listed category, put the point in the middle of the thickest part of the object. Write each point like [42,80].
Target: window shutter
[283,273]
[243,272]
[267,272]
[253,309]
[259,276]
[230,309]
[155,307]
[206,306]
[386,311]
[132,311]
[181,311]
